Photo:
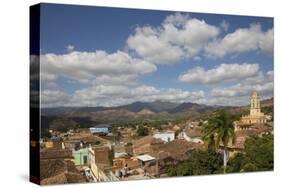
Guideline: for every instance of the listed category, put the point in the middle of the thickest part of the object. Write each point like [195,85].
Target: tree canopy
[258,155]
[200,163]
[142,130]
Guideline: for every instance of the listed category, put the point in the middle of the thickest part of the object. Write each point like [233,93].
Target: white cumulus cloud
[179,36]
[86,67]
[242,40]
[115,95]
[220,74]
[260,83]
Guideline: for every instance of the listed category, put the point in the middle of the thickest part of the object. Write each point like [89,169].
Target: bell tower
[255,104]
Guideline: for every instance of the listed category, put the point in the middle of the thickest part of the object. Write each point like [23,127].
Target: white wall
[166,137]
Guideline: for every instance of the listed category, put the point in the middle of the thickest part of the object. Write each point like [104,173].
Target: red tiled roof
[56,154]
[58,171]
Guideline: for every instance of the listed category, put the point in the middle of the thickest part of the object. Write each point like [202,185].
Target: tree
[142,130]
[115,134]
[63,124]
[210,142]
[249,167]
[200,163]
[257,155]
[220,130]
[236,163]
[259,151]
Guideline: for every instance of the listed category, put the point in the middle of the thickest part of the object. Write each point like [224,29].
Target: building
[101,163]
[48,154]
[57,167]
[48,144]
[59,171]
[81,140]
[101,129]
[191,135]
[175,151]
[166,137]
[146,145]
[130,163]
[145,160]
[256,117]
[81,157]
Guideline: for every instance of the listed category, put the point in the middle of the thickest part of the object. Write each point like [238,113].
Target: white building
[182,135]
[166,137]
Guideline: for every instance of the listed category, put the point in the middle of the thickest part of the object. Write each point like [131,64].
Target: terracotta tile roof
[146,140]
[241,136]
[57,171]
[176,149]
[193,132]
[49,168]
[55,154]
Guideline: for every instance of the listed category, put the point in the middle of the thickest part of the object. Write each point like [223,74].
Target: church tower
[255,109]
[256,117]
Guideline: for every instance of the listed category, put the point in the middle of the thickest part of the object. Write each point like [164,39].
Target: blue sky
[169,56]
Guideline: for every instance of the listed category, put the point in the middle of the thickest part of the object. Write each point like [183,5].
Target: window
[85,159]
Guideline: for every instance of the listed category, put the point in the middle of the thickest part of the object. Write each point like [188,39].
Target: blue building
[101,129]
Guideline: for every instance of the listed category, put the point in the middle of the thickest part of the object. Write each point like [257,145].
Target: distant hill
[157,111]
[64,110]
[267,102]
[192,107]
[156,106]
[146,108]
[136,107]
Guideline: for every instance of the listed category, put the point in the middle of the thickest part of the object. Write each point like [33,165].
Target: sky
[98,56]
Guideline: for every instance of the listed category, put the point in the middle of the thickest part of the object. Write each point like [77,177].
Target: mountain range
[136,107]
[145,108]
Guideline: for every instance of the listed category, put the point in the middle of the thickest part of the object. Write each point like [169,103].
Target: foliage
[116,134]
[259,151]
[220,129]
[236,163]
[249,167]
[200,163]
[258,155]
[142,131]
[63,124]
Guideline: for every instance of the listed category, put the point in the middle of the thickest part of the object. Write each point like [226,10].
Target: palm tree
[220,130]
[210,141]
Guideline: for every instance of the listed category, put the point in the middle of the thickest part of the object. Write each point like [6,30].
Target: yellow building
[255,116]
[49,144]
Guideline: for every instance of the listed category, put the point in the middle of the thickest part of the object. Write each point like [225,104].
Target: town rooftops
[176,149]
[120,154]
[85,138]
[145,158]
[146,140]
[56,154]
[58,171]
[193,132]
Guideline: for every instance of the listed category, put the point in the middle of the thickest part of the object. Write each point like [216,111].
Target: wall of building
[166,137]
[81,156]
[99,130]
[123,162]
